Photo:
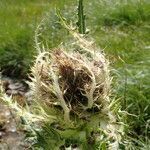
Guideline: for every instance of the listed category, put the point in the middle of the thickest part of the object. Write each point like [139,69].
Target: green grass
[121,28]
[19,20]
[123,31]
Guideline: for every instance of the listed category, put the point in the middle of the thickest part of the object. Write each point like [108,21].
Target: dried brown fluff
[78,81]
[76,84]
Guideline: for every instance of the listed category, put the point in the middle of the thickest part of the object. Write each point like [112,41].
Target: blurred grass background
[120,27]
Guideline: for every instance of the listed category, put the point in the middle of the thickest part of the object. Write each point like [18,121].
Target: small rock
[15,86]
[13,140]
[11,126]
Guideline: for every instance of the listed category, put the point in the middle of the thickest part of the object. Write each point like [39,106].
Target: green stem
[81,18]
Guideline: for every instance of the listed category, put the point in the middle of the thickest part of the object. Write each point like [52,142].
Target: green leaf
[48,139]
